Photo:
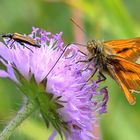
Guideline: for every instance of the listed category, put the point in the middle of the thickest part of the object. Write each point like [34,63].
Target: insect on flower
[21,39]
[117,59]
[56,83]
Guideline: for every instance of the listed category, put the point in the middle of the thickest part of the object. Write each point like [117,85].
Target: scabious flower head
[68,99]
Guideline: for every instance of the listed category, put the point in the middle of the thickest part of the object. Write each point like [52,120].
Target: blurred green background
[102,19]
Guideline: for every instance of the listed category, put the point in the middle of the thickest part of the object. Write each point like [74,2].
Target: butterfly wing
[126,48]
[127,75]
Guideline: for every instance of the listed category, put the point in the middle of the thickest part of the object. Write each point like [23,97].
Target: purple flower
[70,99]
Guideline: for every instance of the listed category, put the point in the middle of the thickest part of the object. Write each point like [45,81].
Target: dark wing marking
[127,75]
[126,48]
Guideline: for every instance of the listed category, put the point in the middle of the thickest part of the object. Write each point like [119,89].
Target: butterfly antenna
[77,25]
[80,44]
[74,22]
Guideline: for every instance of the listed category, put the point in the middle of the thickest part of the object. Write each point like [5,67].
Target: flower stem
[26,110]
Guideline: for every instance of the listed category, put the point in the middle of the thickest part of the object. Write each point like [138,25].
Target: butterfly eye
[99,50]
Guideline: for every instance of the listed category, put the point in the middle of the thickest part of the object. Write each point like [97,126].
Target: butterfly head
[94,47]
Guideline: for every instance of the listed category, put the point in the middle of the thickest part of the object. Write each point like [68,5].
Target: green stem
[26,110]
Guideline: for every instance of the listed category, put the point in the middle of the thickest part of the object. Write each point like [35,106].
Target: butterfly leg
[85,61]
[92,74]
[82,52]
[90,77]
[101,77]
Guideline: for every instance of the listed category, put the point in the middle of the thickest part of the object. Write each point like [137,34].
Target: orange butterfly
[117,58]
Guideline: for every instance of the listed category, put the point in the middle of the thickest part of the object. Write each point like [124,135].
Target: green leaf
[49,110]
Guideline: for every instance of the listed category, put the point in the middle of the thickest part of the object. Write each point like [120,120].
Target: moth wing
[23,38]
